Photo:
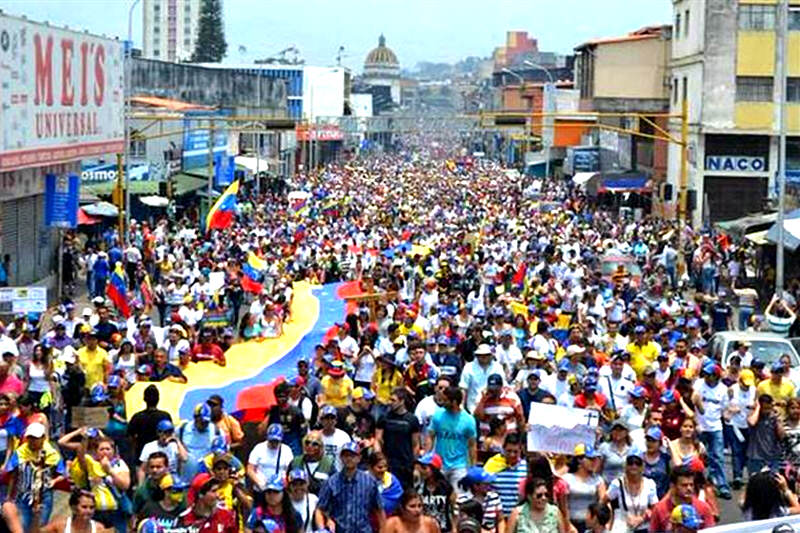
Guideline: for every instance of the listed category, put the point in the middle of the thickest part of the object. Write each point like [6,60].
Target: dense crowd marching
[413,416]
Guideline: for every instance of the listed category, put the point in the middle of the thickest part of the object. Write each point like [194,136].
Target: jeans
[673,276]
[738,449]
[707,279]
[26,511]
[754,466]
[99,287]
[715,448]
[745,312]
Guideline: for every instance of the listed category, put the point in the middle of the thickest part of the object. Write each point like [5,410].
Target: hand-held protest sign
[558,429]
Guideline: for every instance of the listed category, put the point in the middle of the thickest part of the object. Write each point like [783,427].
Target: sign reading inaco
[61,94]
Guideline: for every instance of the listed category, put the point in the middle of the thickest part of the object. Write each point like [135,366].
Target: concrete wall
[631,69]
[207,86]
[719,76]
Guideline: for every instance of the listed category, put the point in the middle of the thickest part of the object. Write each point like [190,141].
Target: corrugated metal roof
[184,184]
[648,32]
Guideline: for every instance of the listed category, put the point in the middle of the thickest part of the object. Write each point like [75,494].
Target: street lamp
[126,103]
[551,120]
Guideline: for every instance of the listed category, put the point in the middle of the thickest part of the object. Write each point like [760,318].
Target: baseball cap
[654,432]
[639,329]
[777,366]
[275,432]
[564,365]
[618,355]
[431,458]
[165,425]
[574,349]
[114,382]
[590,384]
[35,430]
[483,349]
[68,355]
[327,410]
[637,392]
[149,525]
[219,445]
[363,392]
[712,368]
[476,474]
[350,447]
[747,377]
[668,396]
[783,528]
[98,393]
[494,381]
[586,450]
[274,483]
[298,474]
[203,411]
[336,369]
[686,515]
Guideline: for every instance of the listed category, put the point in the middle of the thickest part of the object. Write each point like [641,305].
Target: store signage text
[732,163]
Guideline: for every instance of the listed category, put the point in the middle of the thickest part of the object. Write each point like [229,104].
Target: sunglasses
[634,461]
[312,443]
[540,496]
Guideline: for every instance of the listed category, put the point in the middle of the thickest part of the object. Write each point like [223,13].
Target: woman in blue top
[656,460]
[388,485]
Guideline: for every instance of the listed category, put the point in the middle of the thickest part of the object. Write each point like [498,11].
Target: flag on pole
[220,216]
[253,270]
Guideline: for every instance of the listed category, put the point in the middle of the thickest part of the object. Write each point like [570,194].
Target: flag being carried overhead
[220,216]
[253,270]
[116,290]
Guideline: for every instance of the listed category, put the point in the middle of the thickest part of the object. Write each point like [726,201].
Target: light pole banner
[62,94]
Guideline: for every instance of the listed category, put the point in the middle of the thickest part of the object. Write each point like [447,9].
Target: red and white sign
[61,96]
[321,132]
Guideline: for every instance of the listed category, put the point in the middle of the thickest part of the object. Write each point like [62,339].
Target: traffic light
[118,195]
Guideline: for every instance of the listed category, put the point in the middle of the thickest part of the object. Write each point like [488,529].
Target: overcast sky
[417,30]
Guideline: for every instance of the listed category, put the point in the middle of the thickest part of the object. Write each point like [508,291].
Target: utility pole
[210,164]
[781,65]
[126,108]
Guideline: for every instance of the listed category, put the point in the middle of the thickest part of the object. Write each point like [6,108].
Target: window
[686,23]
[756,17]
[685,88]
[793,90]
[677,31]
[156,53]
[675,91]
[156,30]
[753,89]
[187,42]
[794,19]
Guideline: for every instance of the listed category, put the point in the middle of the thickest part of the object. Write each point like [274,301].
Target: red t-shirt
[660,515]
[599,399]
[220,521]
[208,352]
[12,384]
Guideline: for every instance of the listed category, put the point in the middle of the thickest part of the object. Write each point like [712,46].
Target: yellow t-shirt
[93,364]
[103,498]
[384,385]
[641,356]
[780,393]
[336,392]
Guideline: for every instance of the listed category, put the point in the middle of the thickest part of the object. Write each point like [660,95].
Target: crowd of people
[412,416]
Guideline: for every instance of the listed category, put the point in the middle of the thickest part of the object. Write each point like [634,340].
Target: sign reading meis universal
[61,94]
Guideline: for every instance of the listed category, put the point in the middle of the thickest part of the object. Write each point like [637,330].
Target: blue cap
[114,382]
[165,425]
[328,410]
[442,339]
[270,525]
[687,516]
[431,340]
[639,329]
[219,445]
[298,474]
[587,450]
[777,366]
[680,321]
[564,364]
[692,323]
[635,451]
[668,396]
[98,393]
[351,447]
[494,381]
[590,384]
[654,432]
[638,392]
[92,433]
[151,525]
[476,474]
[203,411]
[274,483]
[275,432]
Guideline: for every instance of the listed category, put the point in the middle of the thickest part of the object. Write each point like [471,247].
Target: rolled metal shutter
[10,231]
[27,245]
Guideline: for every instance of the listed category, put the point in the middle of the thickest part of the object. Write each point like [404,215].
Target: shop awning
[758,238]
[582,177]
[101,209]
[624,183]
[86,220]
[791,231]
[154,201]
[182,184]
[752,223]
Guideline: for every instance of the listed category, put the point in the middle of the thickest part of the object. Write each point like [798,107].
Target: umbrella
[101,209]
[86,220]
[154,201]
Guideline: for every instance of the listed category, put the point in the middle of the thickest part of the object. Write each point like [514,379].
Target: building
[518,45]
[50,118]
[170,29]
[381,69]
[628,74]
[724,66]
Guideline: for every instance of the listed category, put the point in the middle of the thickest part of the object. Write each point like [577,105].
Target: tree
[210,46]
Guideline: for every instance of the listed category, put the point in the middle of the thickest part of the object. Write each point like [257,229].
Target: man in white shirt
[614,384]
[507,353]
[333,438]
[348,346]
[269,458]
[167,443]
[710,398]
[476,373]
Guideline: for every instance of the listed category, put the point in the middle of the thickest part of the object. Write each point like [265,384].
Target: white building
[170,28]
[325,92]
[381,69]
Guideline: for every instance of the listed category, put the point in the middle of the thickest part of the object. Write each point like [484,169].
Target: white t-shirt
[171,449]
[268,461]
[424,412]
[620,387]
[630,504]
[306,508]
[333,445]
[714,401]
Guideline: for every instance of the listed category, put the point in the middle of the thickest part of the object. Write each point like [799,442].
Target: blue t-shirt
[453,432]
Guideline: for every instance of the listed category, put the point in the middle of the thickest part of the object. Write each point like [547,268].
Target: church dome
[381,61]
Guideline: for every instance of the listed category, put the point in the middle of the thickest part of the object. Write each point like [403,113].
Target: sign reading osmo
[62,94]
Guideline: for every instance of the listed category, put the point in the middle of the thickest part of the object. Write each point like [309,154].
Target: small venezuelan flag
[220,216]
[117,291]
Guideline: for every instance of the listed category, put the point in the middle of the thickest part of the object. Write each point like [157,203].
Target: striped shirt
[507,483]
[492,508]
[779,325]
[505,407]
[350,501]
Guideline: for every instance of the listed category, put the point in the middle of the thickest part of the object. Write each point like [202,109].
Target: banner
[756,526]
[62,94]
[61,195]
[557,429]
[23,300]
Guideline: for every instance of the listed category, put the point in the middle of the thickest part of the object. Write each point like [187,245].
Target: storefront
[54,118]
[735,175]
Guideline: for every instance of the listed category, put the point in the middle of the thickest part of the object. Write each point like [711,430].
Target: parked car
[767,347]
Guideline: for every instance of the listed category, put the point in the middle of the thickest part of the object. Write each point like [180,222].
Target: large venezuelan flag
[220,216]
[117,291]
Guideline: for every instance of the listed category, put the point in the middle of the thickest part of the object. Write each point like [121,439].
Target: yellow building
[724,57]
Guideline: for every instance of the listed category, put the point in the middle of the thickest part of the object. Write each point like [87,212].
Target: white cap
[68,355]
[58,319]
[87,311]
[35,430]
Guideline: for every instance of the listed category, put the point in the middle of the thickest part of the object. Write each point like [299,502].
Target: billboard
[61,97]
[195,148]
